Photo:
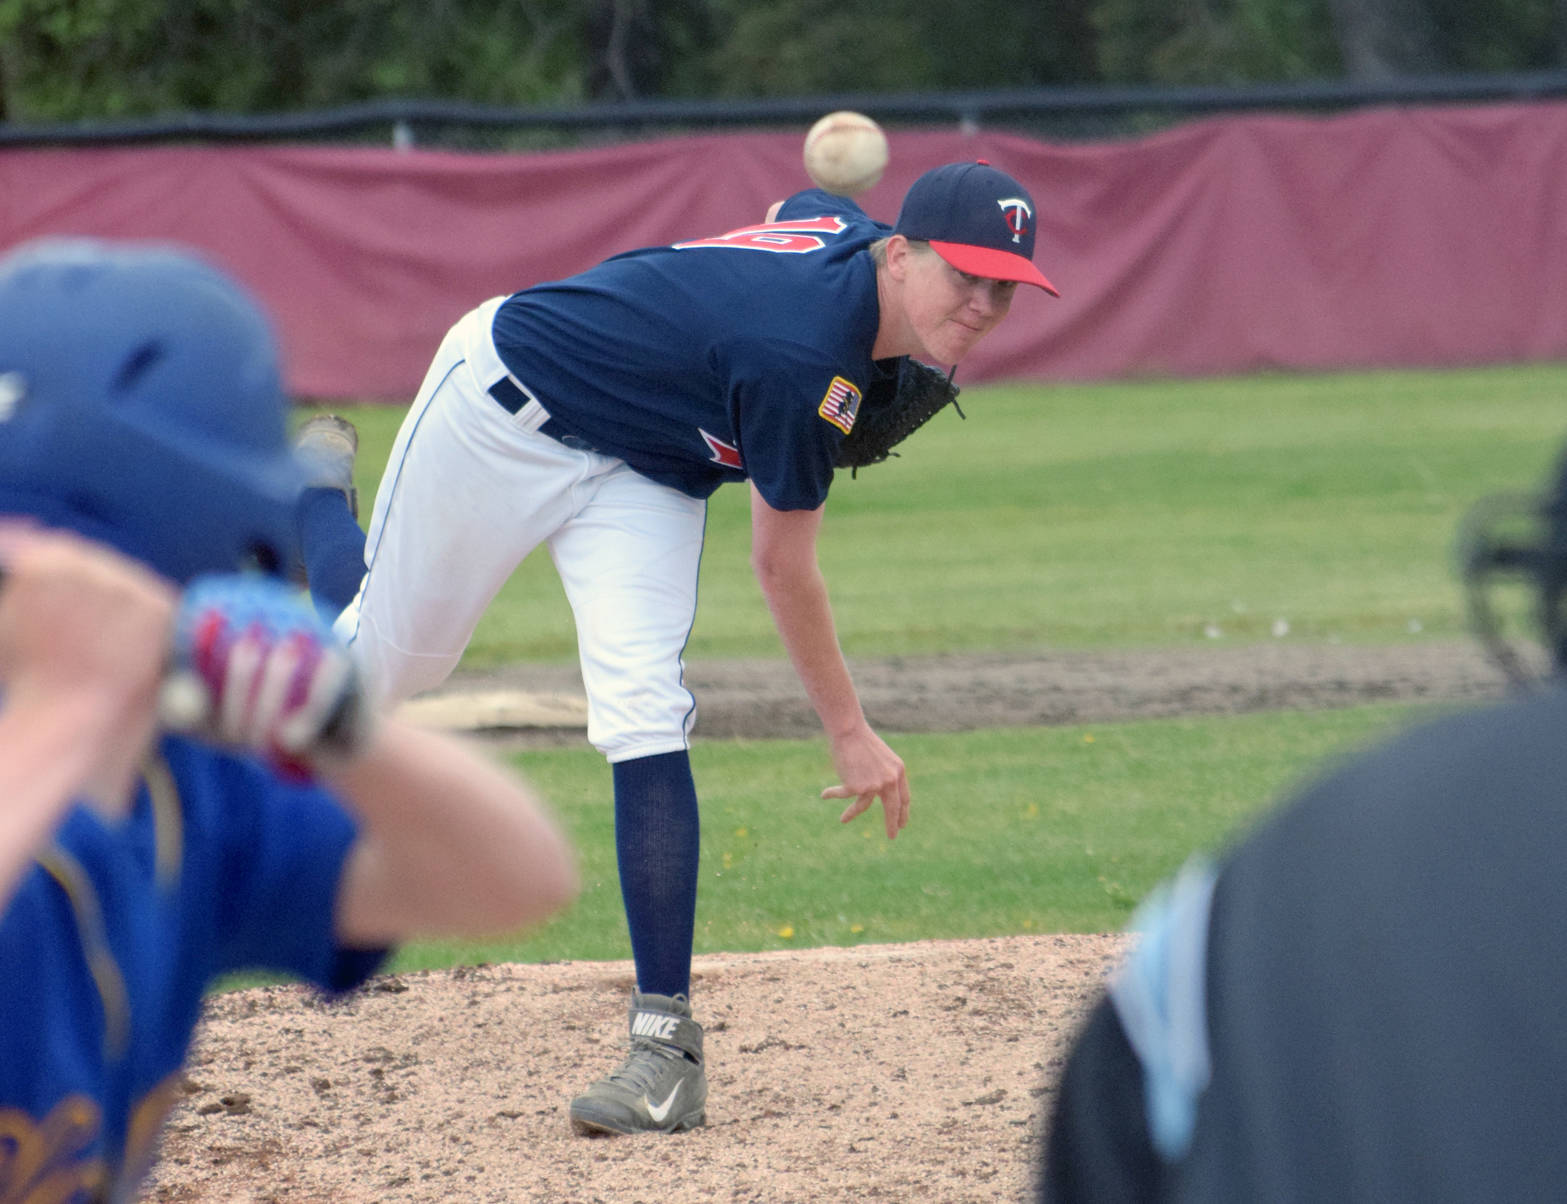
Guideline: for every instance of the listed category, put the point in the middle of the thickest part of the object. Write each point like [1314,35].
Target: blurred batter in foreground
[147,500]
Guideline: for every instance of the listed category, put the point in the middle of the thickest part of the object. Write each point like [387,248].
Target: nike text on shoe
[661,1087]
[326,445]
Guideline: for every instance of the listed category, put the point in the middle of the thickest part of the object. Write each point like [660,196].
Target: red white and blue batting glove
[256,668]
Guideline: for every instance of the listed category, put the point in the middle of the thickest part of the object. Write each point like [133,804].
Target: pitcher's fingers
[895,814]
[857,808]
[895,806]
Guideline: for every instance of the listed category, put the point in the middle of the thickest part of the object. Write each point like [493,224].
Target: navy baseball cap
[977,218]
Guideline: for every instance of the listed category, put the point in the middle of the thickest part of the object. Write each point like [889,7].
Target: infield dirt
[918,1072]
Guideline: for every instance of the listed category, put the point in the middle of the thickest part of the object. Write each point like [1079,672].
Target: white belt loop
[532,416]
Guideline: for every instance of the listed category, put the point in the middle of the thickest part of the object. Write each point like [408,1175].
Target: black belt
[509,395]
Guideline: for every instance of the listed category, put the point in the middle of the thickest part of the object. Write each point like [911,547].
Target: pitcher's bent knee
[620,736]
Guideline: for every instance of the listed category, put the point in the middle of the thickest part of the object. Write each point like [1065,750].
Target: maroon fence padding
[1410,237]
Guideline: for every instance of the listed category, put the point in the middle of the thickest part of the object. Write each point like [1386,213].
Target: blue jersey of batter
[113,935]
[743,356]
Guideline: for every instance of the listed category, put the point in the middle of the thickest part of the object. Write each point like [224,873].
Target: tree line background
[96,59]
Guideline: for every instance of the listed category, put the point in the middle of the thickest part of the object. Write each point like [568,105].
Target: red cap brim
[993,264]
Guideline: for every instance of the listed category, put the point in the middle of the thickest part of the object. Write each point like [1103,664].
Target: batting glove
[255,668]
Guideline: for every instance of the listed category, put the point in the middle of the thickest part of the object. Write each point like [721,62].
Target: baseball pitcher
[595,416]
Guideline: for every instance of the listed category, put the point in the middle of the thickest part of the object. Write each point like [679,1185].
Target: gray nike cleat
[325,446]
[661,1087]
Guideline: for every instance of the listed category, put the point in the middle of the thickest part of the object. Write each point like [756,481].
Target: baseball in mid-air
[845,153]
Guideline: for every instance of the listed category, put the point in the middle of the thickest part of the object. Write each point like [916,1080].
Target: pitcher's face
[948,310]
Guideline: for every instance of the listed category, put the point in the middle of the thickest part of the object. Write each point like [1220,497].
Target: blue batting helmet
[141,405]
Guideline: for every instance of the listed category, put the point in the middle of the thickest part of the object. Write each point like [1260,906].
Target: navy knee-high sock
[657,838]
[333,548]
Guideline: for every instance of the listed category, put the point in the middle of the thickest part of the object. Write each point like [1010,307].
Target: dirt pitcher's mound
[896,1073]
[914,1072]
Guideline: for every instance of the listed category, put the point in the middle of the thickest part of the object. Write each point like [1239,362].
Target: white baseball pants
[468,492]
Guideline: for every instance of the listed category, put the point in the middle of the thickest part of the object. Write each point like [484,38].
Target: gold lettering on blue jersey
[51,1159]
[146,1125]
[64,868]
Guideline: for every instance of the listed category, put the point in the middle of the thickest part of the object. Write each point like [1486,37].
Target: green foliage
[123,58]
[650,47]
[1214,41]
[804,46]
[1500,35]
[1243,41]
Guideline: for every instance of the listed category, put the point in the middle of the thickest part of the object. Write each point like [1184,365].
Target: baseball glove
[894,409]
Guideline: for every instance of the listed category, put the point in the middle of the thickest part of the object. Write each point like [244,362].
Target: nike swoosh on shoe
[660,1111]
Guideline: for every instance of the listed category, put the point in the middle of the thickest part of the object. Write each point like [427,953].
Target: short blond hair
[878,249]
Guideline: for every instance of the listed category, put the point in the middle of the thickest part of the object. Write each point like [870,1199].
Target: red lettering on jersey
[786,238]
[723,453]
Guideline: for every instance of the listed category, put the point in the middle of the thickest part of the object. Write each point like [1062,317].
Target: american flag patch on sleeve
[841,404]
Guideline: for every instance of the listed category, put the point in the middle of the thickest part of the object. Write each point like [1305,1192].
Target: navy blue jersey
[112,937]
[743,356]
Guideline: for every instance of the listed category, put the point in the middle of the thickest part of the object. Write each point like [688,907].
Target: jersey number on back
[787,238]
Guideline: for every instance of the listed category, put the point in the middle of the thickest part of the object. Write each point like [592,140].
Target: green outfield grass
[1013,831]
[1146,514]
[1126,515]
